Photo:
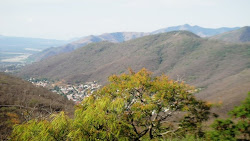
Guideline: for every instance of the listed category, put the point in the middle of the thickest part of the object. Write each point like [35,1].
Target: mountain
[20,101]
[200,31]
[237,36]
[111,37]
[124,36]
[220,69]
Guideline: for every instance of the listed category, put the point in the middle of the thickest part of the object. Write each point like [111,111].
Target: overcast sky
[65,19]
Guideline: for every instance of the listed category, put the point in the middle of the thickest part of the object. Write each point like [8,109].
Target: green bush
[226,129]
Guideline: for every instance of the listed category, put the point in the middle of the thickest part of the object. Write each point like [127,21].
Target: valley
[18,49]
[205,63]
[126,70]
[58,78]
[14,57]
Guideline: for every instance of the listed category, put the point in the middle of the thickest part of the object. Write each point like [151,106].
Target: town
[75,92]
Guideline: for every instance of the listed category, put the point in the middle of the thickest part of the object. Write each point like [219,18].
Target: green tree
[224,129]
[35,130]
[131,107]
[242,114]
[236,128]
[57,88]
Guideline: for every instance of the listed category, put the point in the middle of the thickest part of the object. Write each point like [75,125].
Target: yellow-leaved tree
[132,106]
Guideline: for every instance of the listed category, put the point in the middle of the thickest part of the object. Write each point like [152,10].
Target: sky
[67,19]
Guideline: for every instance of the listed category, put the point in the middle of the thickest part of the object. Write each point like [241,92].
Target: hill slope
[20,101]
[111,37]
[219,68]
[237,36]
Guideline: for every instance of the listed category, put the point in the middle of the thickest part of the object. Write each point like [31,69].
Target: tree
[43,130]
[233,129]
[242,114]
[224,129]
[134,106]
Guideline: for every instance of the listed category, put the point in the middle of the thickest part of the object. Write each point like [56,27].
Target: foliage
[242,113]
[57,88]
[192,122]
[223,130]
[186,138]
[227,129]
[14,119]
[131,107]
[43,130]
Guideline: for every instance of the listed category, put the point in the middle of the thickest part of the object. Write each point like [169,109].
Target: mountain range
[124,36]
[111,37]
[236,36]
[200,31]
[219,69]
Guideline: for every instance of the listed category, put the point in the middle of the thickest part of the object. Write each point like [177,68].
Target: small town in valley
[75,92]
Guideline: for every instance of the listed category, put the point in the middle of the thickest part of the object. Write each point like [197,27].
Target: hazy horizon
[65,19]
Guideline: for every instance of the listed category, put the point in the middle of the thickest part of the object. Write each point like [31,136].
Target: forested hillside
[20,101]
